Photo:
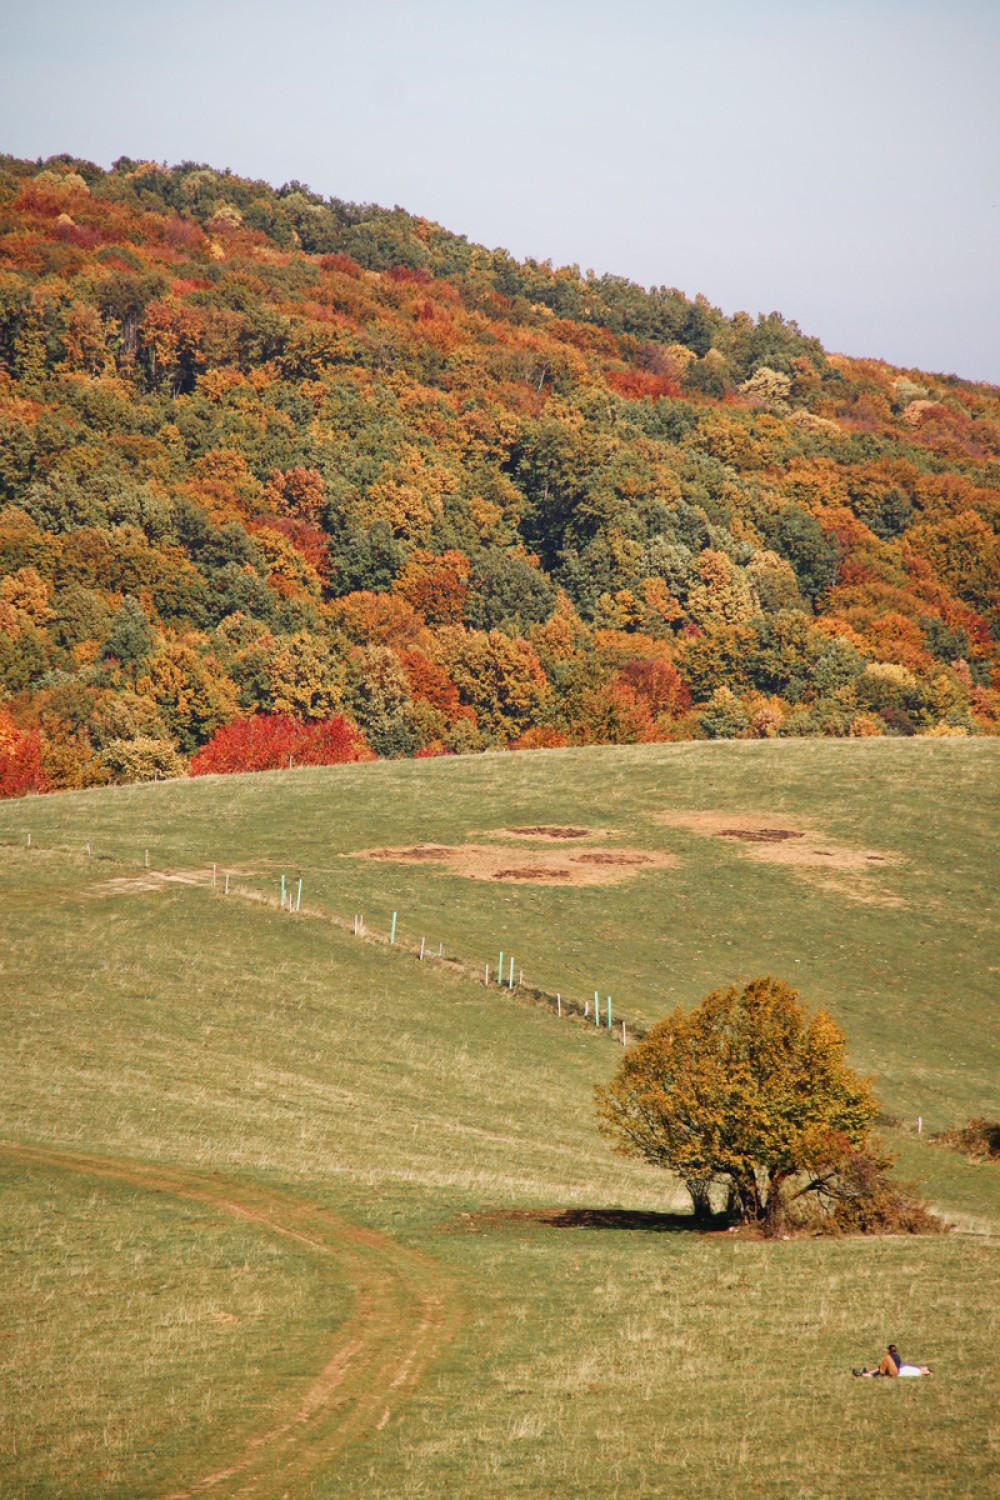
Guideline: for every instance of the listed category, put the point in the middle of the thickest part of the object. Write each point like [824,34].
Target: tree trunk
[699,1188]
[744,1202]
[774,1212]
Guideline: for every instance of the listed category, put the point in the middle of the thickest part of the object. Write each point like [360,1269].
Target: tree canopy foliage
[749,1088]
[252,440]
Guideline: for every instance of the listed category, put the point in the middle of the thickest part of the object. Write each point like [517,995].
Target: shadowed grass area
[596,1358]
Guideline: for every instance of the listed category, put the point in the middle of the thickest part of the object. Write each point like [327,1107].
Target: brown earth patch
[775,841]
[760,835]
[549,831]
[558,867]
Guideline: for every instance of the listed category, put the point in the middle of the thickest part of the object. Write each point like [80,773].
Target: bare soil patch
[558,867]
[776,841]
[549,831]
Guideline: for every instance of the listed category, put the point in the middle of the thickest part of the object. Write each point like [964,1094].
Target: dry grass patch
[152,880]
[774,841]
[558,867]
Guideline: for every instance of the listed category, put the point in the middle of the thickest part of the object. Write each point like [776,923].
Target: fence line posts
[558,1005]
[597,1010]
[421,950]
[392,935]
[500,968]
[29,846]
[282,890]
[298,898]
[213,877]
[227,883]
[510,977]
[609,1012]
[487,976]
[623,1034]
[147,852]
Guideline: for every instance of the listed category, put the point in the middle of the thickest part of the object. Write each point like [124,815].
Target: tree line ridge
[336,476]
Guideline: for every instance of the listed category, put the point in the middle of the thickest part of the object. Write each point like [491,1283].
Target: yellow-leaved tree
[751,1089]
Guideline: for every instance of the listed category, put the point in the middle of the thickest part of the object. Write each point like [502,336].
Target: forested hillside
[348,484]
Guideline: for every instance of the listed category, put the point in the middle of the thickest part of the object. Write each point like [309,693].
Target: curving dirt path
[405,1310]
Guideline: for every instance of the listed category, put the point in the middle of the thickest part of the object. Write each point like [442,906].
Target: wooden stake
[586,1008]
[558,1005]
[624,1043]
[282,890]
[500,968]
[597,1010]
[510,977]
[487,976]
[421,949]
[227,882]
[920,1124]
[392,935]
[298,898]
[29,846]
[440,949]
[213,877]
[609,1012]
[147,852]
[88,848]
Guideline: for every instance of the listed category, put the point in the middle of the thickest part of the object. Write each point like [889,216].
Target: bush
[856,1195]
[269,742]
[980,1139]
[142,759]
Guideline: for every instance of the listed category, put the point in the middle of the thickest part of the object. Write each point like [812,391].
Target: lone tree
[750,1089]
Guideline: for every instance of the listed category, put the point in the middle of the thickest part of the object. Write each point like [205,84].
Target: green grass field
[265,1183]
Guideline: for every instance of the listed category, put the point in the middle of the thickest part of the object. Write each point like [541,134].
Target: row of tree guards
[508,984]
[292,902]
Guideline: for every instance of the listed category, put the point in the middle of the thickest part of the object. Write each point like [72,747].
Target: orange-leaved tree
[750,1088]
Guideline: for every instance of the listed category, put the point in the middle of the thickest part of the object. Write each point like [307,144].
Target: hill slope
[209,1103]
[266,453]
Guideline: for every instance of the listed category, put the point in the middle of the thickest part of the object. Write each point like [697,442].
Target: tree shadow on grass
[627,1219]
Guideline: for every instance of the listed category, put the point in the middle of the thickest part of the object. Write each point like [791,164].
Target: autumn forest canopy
[284,476]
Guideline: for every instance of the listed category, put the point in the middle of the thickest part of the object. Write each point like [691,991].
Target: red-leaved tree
[20,761]
[269,742]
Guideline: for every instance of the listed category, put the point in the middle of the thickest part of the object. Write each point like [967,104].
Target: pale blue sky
[838,161]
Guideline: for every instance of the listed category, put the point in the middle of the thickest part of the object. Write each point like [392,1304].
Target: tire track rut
[405,1310]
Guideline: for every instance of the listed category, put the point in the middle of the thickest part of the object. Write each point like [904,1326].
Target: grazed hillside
[266,454]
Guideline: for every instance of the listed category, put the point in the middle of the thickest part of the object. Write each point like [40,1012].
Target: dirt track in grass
[405,1310]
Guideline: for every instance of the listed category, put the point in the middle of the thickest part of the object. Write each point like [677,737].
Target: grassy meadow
[273,1195]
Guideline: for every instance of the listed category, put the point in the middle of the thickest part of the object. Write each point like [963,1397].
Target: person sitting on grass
[892,1364]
